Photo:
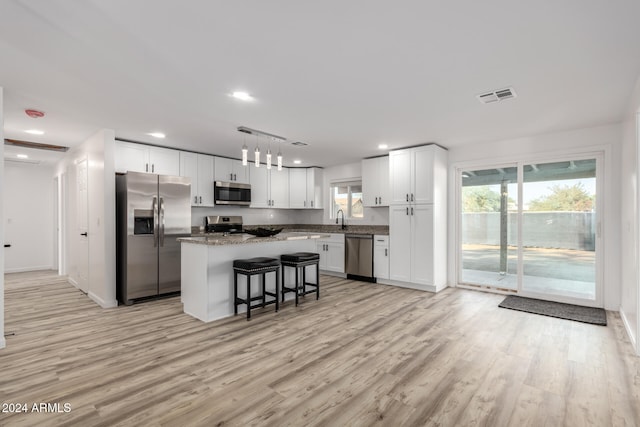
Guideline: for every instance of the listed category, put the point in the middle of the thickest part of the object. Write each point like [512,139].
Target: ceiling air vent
[497,95]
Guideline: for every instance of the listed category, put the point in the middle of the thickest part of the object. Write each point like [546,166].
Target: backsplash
[253,216]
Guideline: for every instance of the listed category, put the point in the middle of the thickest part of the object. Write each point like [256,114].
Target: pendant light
[245,152]
[257,154]
[269,156]
[271,137]
[279,157]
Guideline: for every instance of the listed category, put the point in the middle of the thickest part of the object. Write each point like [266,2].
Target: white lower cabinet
[412,245]
[381,257]
[331,252]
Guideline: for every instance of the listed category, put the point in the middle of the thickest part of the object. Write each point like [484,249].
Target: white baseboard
[26,269]
[409,285]
[102,303]
[3,342]
[72,281]
[630,333]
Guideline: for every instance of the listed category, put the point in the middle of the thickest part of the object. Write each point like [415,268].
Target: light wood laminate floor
[363,354]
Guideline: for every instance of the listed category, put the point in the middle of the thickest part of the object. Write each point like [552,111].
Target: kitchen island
[207,268]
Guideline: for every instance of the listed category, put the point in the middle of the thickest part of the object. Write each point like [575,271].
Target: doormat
[594,316]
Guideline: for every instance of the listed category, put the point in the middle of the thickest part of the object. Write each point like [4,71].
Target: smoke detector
[496,95]
[34,114]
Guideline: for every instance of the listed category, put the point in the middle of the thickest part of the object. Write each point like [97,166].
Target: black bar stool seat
[249,268]
[299,261]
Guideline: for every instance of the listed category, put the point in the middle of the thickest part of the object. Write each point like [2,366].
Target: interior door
[82,221]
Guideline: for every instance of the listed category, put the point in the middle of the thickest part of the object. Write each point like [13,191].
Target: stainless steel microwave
[232,193]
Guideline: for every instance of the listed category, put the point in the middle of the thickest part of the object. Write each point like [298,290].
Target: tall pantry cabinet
[418,217]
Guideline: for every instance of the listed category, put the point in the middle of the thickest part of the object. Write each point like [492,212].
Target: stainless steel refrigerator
[151,212]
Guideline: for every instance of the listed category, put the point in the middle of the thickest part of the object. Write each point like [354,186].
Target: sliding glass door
[559,222]
[532,228]
[489,232]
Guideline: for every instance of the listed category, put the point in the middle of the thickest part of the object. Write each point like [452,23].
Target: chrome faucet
[340,212]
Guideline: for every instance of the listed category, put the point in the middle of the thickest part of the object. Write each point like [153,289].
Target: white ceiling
[342,76]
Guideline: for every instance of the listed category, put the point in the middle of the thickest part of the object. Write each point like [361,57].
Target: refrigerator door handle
[155,221]
[161,221]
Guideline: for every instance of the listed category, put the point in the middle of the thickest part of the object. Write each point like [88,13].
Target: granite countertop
[242,239]
[316,228]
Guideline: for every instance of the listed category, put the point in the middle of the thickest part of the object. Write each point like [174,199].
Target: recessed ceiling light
[382,146]
[35,132]
[297,162]
[244,96]
[157,135]
[22,156]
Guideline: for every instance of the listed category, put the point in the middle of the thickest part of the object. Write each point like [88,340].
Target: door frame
[602,154]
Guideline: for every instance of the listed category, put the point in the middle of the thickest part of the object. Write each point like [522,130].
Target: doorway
[533,228]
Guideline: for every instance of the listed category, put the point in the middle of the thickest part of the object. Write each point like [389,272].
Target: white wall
[585,140]
[630,219]
[28,208]
[2,340]
[99,149]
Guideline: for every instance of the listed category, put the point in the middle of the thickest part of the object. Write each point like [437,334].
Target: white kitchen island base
[207,270]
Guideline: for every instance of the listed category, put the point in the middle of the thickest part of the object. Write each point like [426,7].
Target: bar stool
[249,268]
[300,261]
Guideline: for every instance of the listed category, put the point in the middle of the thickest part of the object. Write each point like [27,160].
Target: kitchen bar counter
[207,268]
[217,239]
[315,228]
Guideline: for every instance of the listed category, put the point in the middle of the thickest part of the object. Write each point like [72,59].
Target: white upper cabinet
[305,188]
[415,172]
[314,188]
[279,186]
[269,187]
[375,181]
[164,161]
[297,188]
[198,167]
[145,158]
[189,169]
[231,170]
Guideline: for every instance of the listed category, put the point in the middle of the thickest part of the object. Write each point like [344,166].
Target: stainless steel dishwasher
[359,257]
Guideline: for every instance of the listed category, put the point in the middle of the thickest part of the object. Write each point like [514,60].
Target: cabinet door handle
[386,252]
[411,210]
[407,211]
[273,203]
[412,197]
[200,199]
[235,177]
[230,177]
[304,203]
[195,199]
[407,197]
[376,202]
[146,167]
[312,203]
[380,199]
[153,167]
[83,234]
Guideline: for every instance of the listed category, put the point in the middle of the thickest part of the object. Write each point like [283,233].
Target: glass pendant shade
[245,152]
[279,161]
[268,159]
[257,157]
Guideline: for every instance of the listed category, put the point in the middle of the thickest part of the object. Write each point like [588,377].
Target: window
[348,197]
